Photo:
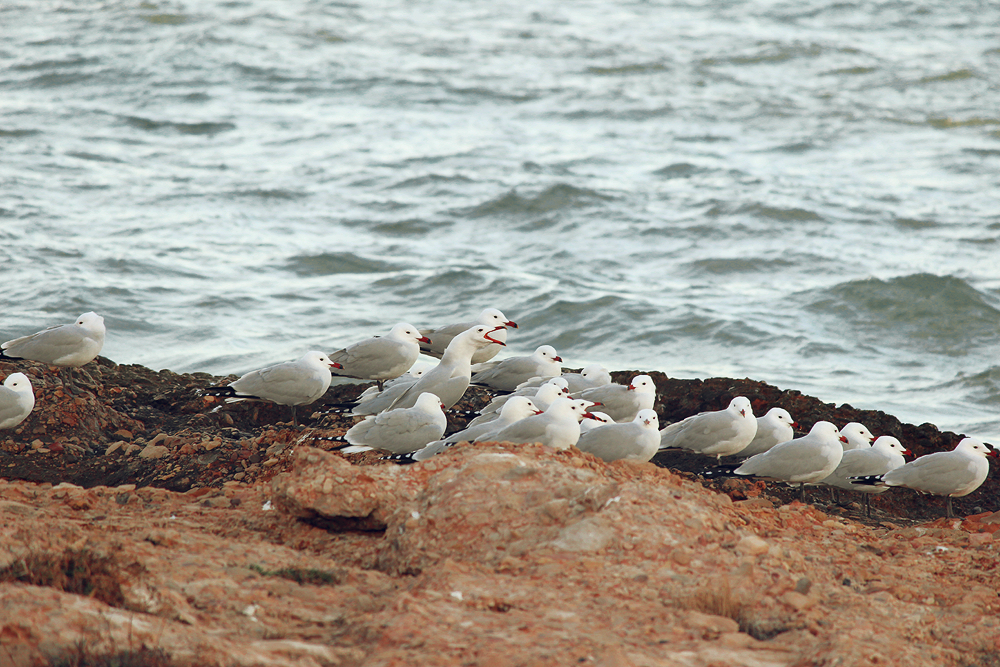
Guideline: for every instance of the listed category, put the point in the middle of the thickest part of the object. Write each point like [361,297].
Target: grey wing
[707,431]
[48,345]
[787,463]
[383,400]
[374,359]
[10,404]
[940,475]
[523,431]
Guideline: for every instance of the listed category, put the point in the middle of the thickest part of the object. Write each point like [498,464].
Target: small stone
[752,545]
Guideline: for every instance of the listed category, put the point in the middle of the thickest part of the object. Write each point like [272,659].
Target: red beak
[494,340]
[843,439]
[907,452]
[590,416]
[424,339]
[794,424]
[743,412]
[512,325]
[559,359]
[334,364]
[629,388]
[538,412]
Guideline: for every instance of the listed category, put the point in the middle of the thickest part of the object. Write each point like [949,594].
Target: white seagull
[291,383]
[505,375]
[558,427]
[70,345]
[718,433]
[884,455]
[516,409]
[16,400]
[591,376]
[774,427]
[638,439]
[381,358]
[858,436]
[597,419]
[801,461]
[448,380]
[541,396]
[399,431]
[441,336]
[623,402]
[950,474]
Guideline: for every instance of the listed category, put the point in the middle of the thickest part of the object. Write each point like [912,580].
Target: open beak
[494,340]
[424,339]
[512,325]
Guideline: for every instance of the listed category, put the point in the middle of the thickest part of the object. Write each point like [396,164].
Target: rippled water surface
[804,193]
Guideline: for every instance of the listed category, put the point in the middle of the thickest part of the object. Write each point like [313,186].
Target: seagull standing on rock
[381,358]
[440,338]
[66,345]
[637,440]
[399,431]
[774,427]
[506,375]
[801,461]
[542,398]
[884,455]
[950,474]
[291,383]
[719,433]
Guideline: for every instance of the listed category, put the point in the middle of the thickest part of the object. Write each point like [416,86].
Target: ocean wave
[331,263]
[944,313]
[557,197]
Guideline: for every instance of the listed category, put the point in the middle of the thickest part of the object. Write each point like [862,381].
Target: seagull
[381,358]
[507,374]
[622,403]
[774,427]
[884,455]
[16,400]
[951,474]
[448,380]
[400,431]
[541,396]
[717,433]
[291,383]
[516,409]
[591,376]
[440,337]
[67,345]
[858,436]
[558,427]
[804,460]
[638,439]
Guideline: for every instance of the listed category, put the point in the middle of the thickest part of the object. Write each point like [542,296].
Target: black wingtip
[868,480]
[225,391]
[334,438]
[401,459]
[721,471]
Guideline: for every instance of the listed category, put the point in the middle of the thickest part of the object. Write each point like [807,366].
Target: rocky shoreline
[143,522]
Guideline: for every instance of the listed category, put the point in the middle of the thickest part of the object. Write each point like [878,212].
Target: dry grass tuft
[80,572]
[719,599]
